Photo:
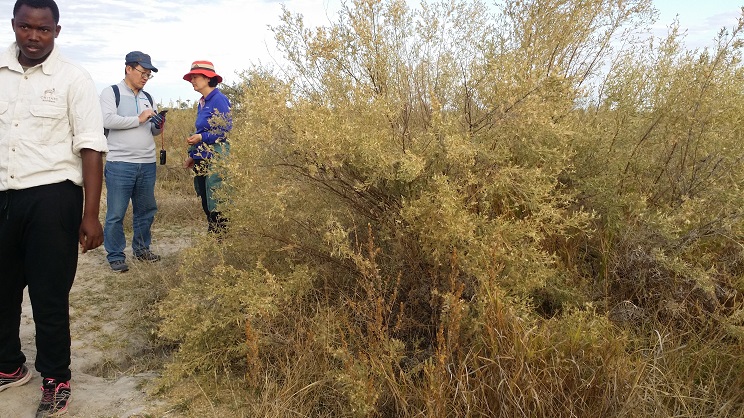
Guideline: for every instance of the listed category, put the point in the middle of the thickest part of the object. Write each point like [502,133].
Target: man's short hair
[38,4]
[129,64]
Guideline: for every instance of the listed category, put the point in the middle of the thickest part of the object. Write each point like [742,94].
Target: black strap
[117,95]
[149,98]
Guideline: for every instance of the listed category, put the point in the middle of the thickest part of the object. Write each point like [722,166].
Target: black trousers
[39,249]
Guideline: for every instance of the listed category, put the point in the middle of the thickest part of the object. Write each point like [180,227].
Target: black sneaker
[148,256]
[119,265]
[55,396]
[17,378]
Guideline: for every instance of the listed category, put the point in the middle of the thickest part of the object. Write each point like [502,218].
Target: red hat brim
[204,72]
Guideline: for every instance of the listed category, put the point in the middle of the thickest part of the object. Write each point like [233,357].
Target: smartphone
[162,112]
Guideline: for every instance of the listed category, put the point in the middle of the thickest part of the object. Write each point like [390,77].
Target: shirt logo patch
[49,96]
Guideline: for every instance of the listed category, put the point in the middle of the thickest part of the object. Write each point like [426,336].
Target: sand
[107,378]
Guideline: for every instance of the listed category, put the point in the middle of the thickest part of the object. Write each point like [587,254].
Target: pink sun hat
[205,68]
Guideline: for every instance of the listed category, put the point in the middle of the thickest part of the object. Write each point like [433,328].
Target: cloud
[233,34]
[721,20]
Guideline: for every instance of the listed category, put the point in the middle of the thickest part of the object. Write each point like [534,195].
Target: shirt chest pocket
[51,124]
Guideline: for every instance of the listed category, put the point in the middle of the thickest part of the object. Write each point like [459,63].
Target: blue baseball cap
[140,58]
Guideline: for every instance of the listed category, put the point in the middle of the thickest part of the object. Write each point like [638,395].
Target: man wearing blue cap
[131,118]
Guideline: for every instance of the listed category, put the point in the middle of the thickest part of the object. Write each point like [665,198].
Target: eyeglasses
[144,74]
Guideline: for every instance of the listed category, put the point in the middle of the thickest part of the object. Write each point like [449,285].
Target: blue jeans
[125,182]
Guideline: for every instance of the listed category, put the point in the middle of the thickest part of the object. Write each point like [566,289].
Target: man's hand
[145,115]
[158,120]
[188,163]
[194,139]
[91,233]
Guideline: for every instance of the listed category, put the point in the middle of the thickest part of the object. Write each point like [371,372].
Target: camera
[162,157]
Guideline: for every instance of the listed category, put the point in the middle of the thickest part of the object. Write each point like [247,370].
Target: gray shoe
[147,255]
[119,265]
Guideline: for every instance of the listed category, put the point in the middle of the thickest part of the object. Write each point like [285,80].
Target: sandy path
[104,384]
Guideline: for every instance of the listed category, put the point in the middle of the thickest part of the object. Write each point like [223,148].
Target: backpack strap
[148,98]
[117,95]
[117,98]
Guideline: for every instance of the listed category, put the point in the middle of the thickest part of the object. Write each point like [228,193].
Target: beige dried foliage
[433,211]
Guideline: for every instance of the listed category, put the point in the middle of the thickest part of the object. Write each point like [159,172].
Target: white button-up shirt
[47,115]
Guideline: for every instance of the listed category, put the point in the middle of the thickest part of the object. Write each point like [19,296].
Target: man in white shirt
[51,134]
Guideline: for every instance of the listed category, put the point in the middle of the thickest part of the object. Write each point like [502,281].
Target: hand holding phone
[158,119]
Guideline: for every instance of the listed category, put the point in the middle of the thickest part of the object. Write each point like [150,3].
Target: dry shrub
[667,289]
[440,222]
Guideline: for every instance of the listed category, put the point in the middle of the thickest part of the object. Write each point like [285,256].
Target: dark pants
[38,248]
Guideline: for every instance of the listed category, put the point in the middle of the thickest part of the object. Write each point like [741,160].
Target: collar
[123,83]
[9,60]
[211,94]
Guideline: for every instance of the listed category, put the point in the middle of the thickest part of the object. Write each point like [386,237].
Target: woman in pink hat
[213,122]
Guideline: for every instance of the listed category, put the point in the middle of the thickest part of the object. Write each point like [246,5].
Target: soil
[110,375]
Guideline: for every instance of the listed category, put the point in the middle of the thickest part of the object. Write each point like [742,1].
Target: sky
[235,34]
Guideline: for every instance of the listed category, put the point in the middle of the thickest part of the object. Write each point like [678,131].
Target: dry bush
[658,159]
[174,188]
[432,214]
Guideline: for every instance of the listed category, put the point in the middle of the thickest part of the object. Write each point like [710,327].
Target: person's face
[35,31]
[138,76]
[199,82]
